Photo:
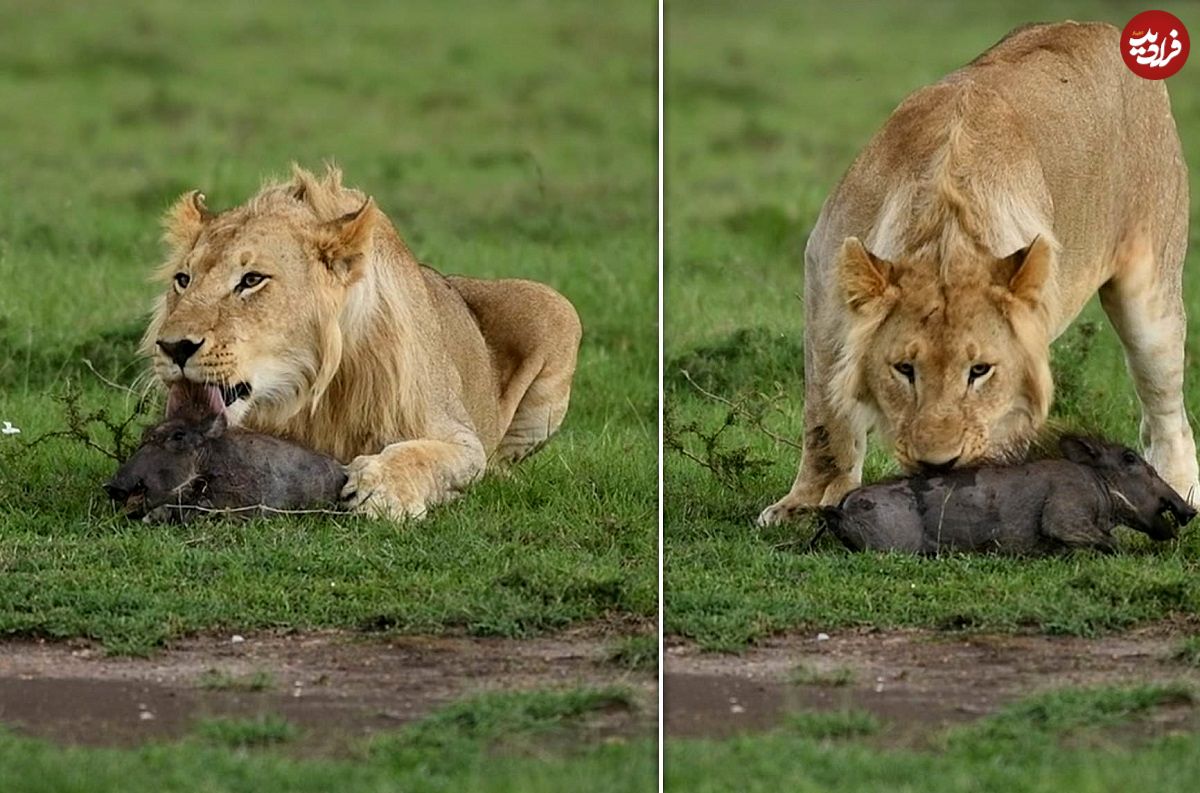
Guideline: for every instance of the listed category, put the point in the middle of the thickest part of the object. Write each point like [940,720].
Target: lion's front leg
[831,464]
[407,478]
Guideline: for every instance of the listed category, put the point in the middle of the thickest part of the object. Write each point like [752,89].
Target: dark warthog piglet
[1039,507]
[193,463]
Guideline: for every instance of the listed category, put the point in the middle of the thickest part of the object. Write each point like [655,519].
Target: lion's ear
[1033,270]
[344,241]
[865,277]
[186,218]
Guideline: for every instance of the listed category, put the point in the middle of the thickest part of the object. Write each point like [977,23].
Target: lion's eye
[979,370]
[250,280]
[906,369]
[182,280]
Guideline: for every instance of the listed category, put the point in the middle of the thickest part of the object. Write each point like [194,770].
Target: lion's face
[958,372]
[252,301]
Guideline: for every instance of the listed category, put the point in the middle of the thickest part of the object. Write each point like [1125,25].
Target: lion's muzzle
[179,350]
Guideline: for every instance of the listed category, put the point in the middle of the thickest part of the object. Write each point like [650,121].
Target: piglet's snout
[1180,510]
[130,494]
[121,490]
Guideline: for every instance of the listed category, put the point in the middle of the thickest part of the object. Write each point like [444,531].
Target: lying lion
[306,312]
[968,235]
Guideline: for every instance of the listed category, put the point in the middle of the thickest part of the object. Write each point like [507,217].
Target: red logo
[1155,45]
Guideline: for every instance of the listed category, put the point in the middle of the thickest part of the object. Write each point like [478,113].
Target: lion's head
[953,370]
[255,294]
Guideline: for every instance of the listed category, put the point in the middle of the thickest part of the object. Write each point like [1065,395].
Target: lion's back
[1048,116]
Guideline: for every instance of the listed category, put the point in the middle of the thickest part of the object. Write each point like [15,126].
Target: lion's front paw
[781,511]
[371,489]
[804,498]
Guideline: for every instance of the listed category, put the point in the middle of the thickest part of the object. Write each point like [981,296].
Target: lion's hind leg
[540,409]
[534,333]
[1143,300]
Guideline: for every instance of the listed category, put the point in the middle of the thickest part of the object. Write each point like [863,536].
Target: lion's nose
[938,466]
[179,351]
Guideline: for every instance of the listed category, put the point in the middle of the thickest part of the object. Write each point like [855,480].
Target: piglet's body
[1037,508]
[192,464]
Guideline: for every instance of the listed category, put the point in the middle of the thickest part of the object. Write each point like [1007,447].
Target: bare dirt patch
[335,687]
[916,682]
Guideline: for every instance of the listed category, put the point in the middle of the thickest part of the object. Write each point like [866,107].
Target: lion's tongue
[202,398]
[216,400]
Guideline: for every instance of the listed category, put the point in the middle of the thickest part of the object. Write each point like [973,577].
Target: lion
[313,320]
[967,236]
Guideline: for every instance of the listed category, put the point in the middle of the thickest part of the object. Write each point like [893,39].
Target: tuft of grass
[1055,714]
[219,680]
[514,720]
[1188,651]
[808,675]
[831,724]
[635,652]
[238,733]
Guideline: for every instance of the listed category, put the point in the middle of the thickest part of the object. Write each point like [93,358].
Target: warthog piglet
[1040,507]
[193,463]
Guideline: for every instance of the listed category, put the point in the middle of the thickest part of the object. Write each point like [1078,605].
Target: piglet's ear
[184,221]
[343,242]
[1079,450]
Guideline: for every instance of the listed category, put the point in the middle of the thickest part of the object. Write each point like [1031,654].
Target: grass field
[765,113]
[768,103]
[501,141]
[1065,740]
[490,743]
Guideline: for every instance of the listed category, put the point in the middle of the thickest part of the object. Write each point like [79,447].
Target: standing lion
[306,311]
[968,235]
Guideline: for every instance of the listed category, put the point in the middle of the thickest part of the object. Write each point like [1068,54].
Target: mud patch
[916,682]
[337,688]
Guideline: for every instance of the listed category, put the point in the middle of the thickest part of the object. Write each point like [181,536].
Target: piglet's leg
[1076,524]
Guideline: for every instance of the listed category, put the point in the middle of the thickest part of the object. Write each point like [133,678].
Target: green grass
[263,730]
[1059,712]
[1187,651]
[1082,740]
[808,675]
[219,680]
[490,744]
[488,135]
[768,105]
[512,721]
[635,652]
[831,724]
